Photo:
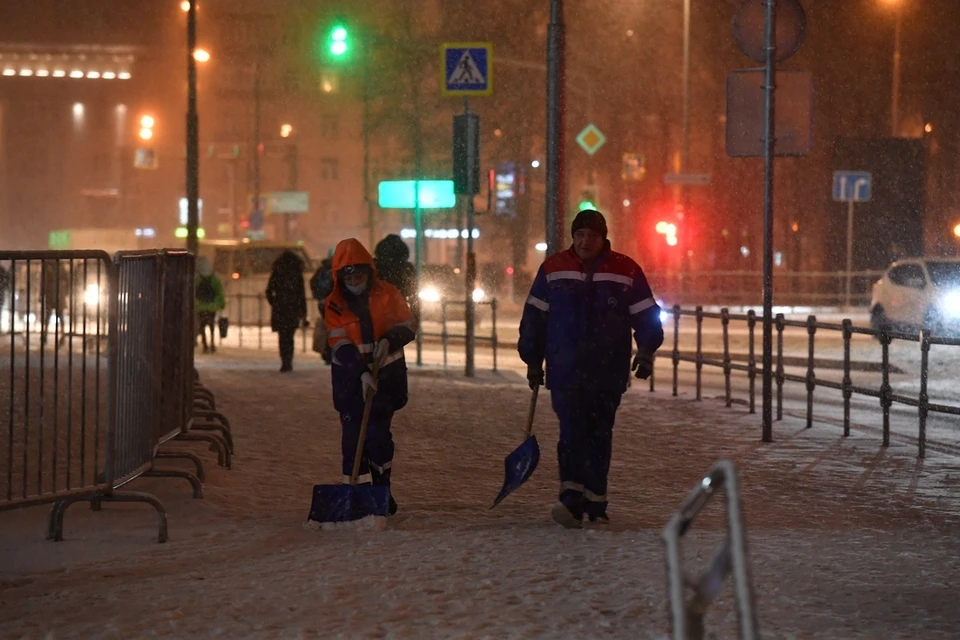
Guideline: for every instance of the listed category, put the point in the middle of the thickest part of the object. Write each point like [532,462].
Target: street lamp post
[895,89]
[193,133]
[556,185]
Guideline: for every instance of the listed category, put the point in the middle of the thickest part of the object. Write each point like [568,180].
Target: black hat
[590,219]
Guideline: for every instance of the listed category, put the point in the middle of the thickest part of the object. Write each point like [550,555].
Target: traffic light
[669,231]
[333,43]
[338,43]
[588,197]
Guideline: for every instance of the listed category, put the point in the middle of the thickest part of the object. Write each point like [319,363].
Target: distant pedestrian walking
[56,294]
[288,303]
[209,300]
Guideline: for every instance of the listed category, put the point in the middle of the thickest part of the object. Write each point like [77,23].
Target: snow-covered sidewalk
[846,540]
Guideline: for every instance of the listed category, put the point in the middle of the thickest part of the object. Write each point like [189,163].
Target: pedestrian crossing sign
[467,68]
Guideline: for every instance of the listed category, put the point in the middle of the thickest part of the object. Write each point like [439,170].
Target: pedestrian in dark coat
[288,303]
[391,258]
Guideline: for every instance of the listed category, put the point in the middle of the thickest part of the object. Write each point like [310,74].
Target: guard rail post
[676,348]
[725,323]
[885,389]
[847,380]
[811,375]
[779,373]
[752,358]
[923,404]
[699,363]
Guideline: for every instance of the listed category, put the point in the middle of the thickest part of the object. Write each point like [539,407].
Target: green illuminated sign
[434,194]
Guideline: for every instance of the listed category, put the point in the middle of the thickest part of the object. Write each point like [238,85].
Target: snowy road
[847,540]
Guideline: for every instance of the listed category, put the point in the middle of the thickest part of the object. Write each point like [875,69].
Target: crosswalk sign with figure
[467,68]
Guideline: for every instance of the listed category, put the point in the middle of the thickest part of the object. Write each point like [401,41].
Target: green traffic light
[338,41]
[586,204]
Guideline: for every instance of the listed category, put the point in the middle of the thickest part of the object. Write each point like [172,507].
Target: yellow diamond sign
[591,139]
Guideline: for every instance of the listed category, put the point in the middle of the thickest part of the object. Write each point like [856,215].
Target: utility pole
[895,93]
[256,137]
[556,179]
[366,144]
[768,157]
[193,135]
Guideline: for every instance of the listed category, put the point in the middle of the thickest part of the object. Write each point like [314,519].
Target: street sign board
[433,194]
[288,202]
[851,186]
[506,186]
[695,179]
[145,158]
[184,211]
[467,68]
[793,102]
[591,139]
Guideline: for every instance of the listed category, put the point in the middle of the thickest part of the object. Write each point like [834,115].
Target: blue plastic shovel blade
[344,502]
[518,467]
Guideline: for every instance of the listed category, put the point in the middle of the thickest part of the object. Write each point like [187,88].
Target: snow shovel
[522,462]
[349,502]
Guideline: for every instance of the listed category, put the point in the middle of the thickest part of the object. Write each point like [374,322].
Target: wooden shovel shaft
[367,406]
[533,408]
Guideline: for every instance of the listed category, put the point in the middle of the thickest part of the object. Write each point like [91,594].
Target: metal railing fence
[884,392]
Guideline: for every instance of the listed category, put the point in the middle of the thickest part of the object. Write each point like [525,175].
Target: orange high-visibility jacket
[353,337]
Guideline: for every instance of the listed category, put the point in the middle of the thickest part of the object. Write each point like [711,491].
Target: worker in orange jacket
[367,319]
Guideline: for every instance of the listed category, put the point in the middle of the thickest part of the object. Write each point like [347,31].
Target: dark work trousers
[286,337]
[585,445]
[377,457]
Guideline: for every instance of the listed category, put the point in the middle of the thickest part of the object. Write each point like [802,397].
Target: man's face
[587,244]
[357,279]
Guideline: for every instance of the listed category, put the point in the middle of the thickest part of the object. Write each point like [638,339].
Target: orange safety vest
[388,308]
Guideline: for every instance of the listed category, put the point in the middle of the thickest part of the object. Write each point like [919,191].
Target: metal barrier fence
[736,288]
[56,440]
[445,335]
[687,616]
[88,413]
[884,393]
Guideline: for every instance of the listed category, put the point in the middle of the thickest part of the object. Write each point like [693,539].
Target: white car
[917,293]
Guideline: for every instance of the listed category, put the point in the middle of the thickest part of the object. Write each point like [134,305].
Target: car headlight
[950,304]
[91,296]
[430,294]
[478,294]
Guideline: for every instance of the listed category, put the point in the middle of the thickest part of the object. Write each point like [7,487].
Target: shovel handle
[533,409]
[367,406]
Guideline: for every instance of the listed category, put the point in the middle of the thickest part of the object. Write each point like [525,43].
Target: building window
[330,127]
[329,169]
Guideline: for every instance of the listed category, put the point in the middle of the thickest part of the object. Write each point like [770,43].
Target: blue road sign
[851,186]
[467,68]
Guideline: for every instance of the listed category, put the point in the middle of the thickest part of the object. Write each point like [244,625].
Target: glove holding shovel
[522,462]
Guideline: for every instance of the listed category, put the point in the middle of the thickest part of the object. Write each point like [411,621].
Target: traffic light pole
[556,184]
[471,277]
[768,156]
[193,135]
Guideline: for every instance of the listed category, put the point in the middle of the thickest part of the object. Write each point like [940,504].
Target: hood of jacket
[350,252]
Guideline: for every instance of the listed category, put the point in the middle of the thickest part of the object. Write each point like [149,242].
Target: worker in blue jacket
[582,307]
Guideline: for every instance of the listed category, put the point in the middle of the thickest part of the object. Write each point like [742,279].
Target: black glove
[643,365]
[535,375]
